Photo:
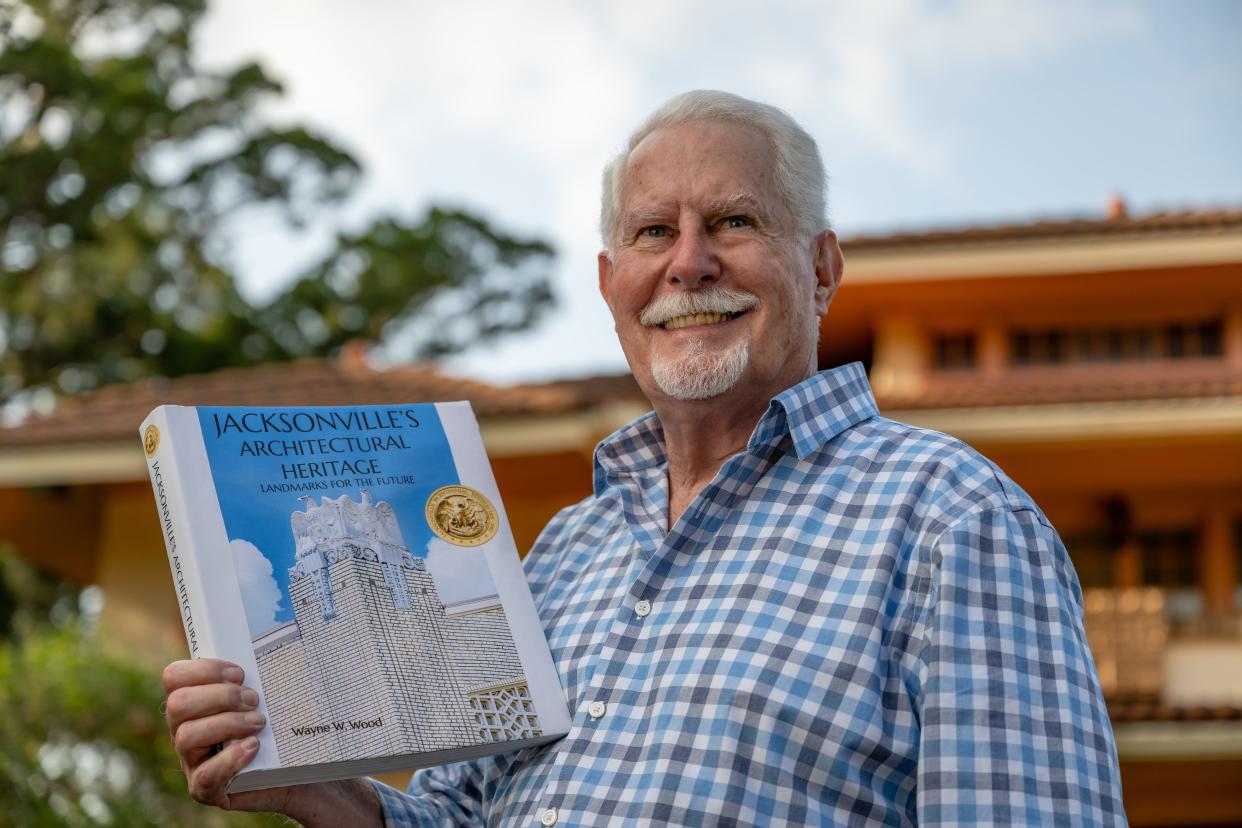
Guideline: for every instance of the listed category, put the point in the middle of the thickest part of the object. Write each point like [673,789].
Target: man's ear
[605,276]
[829,266]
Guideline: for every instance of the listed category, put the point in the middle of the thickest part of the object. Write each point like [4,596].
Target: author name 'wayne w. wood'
[334,727]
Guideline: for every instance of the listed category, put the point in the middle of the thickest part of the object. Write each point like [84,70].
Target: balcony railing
[1142,657]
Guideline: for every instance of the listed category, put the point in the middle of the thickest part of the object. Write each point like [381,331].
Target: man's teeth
[696,319]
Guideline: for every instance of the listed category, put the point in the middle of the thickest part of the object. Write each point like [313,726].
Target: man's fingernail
[249,699]
[255,718]
[233,674]
[250,744]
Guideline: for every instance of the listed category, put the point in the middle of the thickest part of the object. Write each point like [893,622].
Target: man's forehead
[700,141]
[720,162]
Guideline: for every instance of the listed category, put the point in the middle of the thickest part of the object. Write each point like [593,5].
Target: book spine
[170,501]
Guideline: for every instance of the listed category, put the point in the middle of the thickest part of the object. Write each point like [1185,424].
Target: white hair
[800,175]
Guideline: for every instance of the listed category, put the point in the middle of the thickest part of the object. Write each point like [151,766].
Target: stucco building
[1097,360]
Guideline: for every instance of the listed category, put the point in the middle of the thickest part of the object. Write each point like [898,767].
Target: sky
[929,114]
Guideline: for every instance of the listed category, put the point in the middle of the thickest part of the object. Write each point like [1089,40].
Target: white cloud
[260,593]
[511,109]
[460,572]
[877,58]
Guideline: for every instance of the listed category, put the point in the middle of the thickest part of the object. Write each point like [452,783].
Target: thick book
[357,563]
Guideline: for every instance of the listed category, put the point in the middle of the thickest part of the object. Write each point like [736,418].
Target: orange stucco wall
[55,528]
[536,488]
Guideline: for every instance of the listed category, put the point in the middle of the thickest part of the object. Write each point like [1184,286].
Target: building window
[954,351]
[1106,344]
[1092,558]
[1037,347]
[1170,559]
[1237,557]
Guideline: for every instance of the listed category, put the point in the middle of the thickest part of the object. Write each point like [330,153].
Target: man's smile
[690,319]
[714,305]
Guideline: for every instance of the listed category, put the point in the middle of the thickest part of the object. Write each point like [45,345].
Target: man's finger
[206,782]
[196,702]
[195,739]
[201,671]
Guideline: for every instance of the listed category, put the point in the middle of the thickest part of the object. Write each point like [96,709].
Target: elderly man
[777,607]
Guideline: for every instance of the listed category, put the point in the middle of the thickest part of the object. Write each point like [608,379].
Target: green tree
[121,163]
[82,738]
[82,741]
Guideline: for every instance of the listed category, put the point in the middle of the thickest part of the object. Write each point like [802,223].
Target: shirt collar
[811,412]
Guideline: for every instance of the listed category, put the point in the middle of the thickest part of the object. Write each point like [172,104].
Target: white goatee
[698,372]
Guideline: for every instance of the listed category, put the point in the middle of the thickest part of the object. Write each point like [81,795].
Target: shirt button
[597,709]
[642,609]
[549,817]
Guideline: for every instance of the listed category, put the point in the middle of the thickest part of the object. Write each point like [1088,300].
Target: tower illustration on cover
[373,663]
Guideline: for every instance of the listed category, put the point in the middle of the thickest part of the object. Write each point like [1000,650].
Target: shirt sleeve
[443,796]
[1014,730]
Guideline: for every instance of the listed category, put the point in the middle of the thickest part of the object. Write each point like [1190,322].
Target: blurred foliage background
[122,164]
[82,738]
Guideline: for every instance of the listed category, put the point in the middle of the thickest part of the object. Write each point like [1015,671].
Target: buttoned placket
[639,494]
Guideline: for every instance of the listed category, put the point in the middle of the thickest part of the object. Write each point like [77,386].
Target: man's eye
[734,222]
[653,232]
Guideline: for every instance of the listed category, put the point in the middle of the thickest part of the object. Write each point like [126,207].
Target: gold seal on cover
[151,440]
[462,516]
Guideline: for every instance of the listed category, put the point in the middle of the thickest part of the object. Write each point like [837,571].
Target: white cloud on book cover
[260,592]
[460,572]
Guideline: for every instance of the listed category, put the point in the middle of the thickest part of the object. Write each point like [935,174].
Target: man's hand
[207,707]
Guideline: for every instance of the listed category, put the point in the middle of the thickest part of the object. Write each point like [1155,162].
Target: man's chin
[693,391]
[701,377]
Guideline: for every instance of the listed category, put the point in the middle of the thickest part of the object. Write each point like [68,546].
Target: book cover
[357,563]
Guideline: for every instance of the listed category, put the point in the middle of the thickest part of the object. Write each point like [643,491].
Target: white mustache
[708,300]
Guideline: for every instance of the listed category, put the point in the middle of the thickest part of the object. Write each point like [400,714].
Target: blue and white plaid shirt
[857,622]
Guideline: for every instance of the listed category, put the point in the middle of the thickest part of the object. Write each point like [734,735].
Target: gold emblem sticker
[151,440]
[461,516]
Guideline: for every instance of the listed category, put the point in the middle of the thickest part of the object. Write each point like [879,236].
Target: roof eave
[1040,257]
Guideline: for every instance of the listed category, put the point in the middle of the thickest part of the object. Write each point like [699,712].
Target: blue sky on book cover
[406,457]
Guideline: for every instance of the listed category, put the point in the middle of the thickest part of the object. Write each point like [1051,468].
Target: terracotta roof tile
[114,412]
[599,388]
[1177,222]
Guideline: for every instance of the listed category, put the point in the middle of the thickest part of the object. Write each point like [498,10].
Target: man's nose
[694,261]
